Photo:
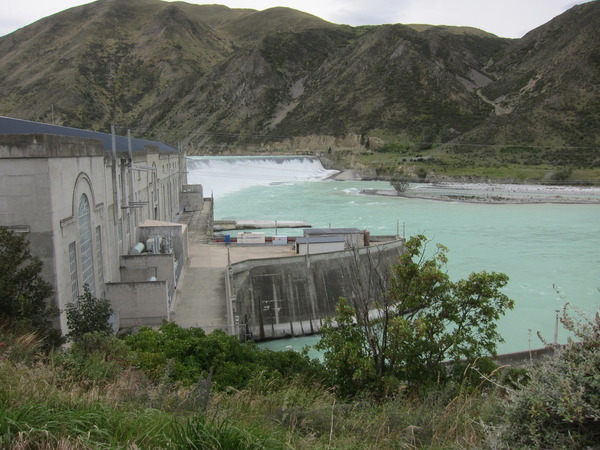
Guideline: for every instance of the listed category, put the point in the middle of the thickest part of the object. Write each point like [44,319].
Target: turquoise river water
[544,248]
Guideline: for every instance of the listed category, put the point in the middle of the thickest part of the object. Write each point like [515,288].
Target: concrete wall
[42,179]
[524,357]
[25,207]
[191,197]
[139,304]
[162,266]
[280,297]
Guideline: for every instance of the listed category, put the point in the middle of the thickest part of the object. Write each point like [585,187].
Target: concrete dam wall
[291,296]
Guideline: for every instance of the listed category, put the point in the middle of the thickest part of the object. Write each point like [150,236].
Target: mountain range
[213,79]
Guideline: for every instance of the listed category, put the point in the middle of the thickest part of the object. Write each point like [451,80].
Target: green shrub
[88,314]
[421,173]
[562,175]
[94,359]
[559,407]
[192,355]
[394,148]
[422,320]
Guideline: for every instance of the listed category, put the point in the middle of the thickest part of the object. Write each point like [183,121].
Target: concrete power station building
[98,209]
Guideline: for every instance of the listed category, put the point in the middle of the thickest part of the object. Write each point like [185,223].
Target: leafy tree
[400,181]
[25,298]
[347,355]
[422,320]
[88,315]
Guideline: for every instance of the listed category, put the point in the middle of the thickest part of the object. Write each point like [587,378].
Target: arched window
[85,243]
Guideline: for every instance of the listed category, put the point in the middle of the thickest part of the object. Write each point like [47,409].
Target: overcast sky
[505,18]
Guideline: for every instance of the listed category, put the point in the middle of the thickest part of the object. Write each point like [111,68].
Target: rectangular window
[99,264]
[73,267]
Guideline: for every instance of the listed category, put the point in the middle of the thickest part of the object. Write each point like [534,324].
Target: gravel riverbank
[496,193]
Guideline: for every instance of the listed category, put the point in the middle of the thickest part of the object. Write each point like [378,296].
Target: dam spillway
[227,174]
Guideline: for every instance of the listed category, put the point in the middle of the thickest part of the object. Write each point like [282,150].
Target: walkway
[201,298]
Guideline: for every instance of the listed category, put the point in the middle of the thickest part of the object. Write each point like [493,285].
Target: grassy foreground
[43,409]
[99,399]
[55,402]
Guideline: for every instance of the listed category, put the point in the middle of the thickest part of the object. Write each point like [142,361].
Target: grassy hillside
[95,395]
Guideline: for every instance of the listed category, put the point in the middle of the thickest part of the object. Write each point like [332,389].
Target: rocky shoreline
[495,193]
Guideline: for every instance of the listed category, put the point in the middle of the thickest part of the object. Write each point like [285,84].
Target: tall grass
[37,410]
[301,417]
[48,402]
[37,405]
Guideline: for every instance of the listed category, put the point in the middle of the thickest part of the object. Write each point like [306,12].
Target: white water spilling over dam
[228,174]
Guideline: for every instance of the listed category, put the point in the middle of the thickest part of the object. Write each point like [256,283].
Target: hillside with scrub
[437,100]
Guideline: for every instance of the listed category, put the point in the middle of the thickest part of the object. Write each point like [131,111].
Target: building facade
[81,196]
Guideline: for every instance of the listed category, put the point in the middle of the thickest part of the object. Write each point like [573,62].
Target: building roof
[331,231]
[319,240]
[11,126]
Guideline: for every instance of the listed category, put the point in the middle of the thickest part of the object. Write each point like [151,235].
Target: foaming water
[228,174]
[539,246]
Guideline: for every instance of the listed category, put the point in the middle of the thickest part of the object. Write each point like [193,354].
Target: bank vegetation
[103,393]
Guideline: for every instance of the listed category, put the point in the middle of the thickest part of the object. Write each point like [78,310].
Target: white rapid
[227,174]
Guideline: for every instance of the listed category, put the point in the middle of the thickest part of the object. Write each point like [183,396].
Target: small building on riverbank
[353,237]
[319,244]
